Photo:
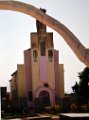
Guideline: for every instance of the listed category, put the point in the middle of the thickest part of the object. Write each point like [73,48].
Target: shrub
[73,107]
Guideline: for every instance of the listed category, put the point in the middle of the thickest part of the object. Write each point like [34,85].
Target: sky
[15,29]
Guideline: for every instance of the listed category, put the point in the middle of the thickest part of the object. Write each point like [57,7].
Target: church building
[44,76]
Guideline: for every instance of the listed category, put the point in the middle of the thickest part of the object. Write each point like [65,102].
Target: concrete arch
[80,51]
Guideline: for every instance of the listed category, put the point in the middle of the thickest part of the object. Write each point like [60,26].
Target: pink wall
[43,69]
[28,72]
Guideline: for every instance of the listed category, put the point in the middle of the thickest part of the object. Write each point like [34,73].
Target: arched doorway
[44,96]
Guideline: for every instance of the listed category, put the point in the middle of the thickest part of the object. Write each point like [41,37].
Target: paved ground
[30,118]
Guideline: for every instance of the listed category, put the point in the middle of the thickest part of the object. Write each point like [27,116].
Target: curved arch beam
[80,51]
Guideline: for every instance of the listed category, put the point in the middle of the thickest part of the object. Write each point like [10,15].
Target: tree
[82,88]
[84,82]
[75,88]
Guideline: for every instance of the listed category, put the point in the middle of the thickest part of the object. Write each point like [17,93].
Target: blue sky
[15,29]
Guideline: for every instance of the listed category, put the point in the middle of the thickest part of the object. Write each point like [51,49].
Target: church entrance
[42,100]
[44,96]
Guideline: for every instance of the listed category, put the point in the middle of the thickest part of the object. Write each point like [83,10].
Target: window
[46,85]
[30,96]
[35,55]
[50,55]
[42,47]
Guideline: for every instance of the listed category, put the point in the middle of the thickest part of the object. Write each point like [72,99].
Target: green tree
[83,87]
[84,82]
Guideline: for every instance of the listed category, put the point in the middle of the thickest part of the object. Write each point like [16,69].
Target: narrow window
[50,55]
[42,47]
[30,96]
[35,55]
